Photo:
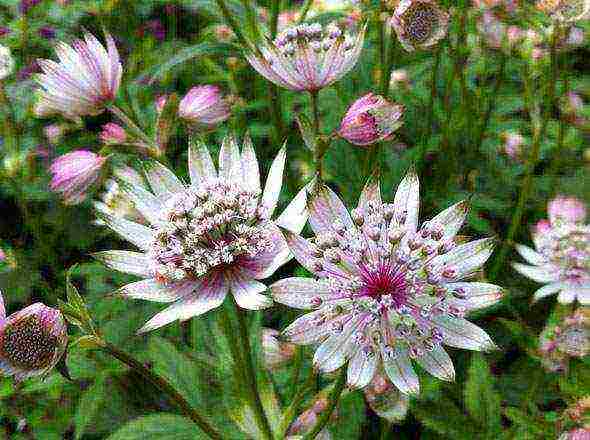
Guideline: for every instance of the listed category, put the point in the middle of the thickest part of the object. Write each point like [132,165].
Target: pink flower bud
[513,143]
[74,173]
[113,134]
[567,209]
[32,340]
[160,103]
[54,133]
[370,119]
[204,106]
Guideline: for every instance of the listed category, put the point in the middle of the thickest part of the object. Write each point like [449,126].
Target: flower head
[419,24]
[370,119]
[388,292]
[567,11]
[6,62]
[308,56]
[86,78]
[74,173]
[32,340]
[561,258]
[208,238]
[204,106]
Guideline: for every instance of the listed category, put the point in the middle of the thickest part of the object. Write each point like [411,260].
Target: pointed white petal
[247,291]
[466,258]
[274,182]
[295,214]
[163,181]
[475,295]
[2,308]
[152,290]
[371,193]
[438,363]
[145,202]
[325,207]
[230,167]
[335,350]
[460,333]
[140,235]
[361,369]
[250,166]
[200,164]
[134,263]
[407,200]
[309,328]
[300,293]
[547,290]
[531,256]
[450,220]
[535,273]
[400,371]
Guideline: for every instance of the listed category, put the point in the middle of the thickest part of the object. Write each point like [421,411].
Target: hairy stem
[163,385]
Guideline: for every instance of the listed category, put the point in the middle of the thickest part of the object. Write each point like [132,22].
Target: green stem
[304,11]
[333,399]
[153,149]
[250,374]
[433,90]
[385,429]
[297,364]
[163,385]
[291,411]
[229,19]
[319,150]
[251,17]
[274,19]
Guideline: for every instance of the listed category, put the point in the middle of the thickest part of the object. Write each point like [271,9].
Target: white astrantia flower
[388,293]
[207,238]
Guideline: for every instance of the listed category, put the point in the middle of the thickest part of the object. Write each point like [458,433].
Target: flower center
[421,20]
[27,344]
[209,229]
[385,281]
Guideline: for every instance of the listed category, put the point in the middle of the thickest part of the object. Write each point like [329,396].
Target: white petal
[145,202]
[200,164]
[476,295]
[324,208]
[400,371]
[163,181]
[335,350]
[407,200]
[295,214]
[547,290]
[300,293]
[538,274]
[230,167]
[371,193]
[531,256]
[247,291]
[2,308]
[126,261]
[153,290]
[566,296]
[361,369]
[250,166]
[274,182]
[140,235]
[450,220]
[306,329]
[460,333]
[438,363]
[466,258]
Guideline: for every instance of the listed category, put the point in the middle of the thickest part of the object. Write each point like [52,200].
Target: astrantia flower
[112,134]
[561,258]
[571,338]
[208,238]
[6,62]
[308,56]
[86,78]
[567,11]
[419,24]
[370,119]
[74,173]
[32,340]
[204,106]
[388,292]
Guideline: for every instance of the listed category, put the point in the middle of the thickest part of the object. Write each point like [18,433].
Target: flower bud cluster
[312,36]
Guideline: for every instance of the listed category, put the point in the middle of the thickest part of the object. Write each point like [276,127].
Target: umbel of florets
[387,292]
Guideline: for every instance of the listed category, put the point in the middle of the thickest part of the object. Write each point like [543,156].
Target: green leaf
[89,405]
[306,130]
[166,120]
[481,399]
[159,426]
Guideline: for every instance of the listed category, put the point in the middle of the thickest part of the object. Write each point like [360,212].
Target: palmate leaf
[481,399]
[161,426]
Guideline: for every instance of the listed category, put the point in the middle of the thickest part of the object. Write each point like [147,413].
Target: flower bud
[54,133]
[370,119]
[113,134]
[74,173]
[32,341]
[399,78]
[566,209]
[513,143]
[275,352]
[160,103]
[204,106]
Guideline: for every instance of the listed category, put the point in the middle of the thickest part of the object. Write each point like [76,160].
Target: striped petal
[200,164]
[274,182]
[140,235]
[300,293]
[162,181]
[361,369]
[250,166]
[438,363]
[152,290]
[400,371]
[460,333]
[406,202]
[230,166]
[531,256]
[133,263]
[325,207]
[535,273]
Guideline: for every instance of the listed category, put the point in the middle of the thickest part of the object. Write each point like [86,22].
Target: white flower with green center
[387,292]
[207,238]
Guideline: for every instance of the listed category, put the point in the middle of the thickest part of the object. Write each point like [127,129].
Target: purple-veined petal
[200,165]
[538,274]
[300,293]
[466,258]
[274,182]
[246,292]
[450,220]
[134,263]
[250,166]
[140,235]
[400,371]
[230,166]
[371,193]
[531,256]
[438,363]
[152,290]
[475,295]
[325,207]
[337,348]
[460,333]
[163,181]
[310,328]
[361,368]
[406,202]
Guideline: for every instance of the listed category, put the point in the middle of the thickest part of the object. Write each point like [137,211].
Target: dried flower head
[567,11]
[208,238]
[561,258]
[6,62]
[388,292]
[86,78]
[204,106]
[307,56]
[370,119]
[419,24]
[74,173]
[32,340]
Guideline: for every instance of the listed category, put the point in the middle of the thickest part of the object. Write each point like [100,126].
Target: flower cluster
[561,257]
[307,57]
[388,292]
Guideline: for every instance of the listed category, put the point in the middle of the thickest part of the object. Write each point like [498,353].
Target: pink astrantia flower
[388,293]
[566,209]
[561,258]
[204,106]
[308,56]
[203,240]
[576,434]
[370,119]
[419,24]
[74,173]
[86,78]
[32,340]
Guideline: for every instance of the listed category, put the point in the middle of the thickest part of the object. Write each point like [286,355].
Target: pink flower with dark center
[74,173]
[388,293]
[370,119]
[204,106]
[32,340]
[203,240]
[112,134]
[84,81]
[419,24]
[307,56]
[566,209]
